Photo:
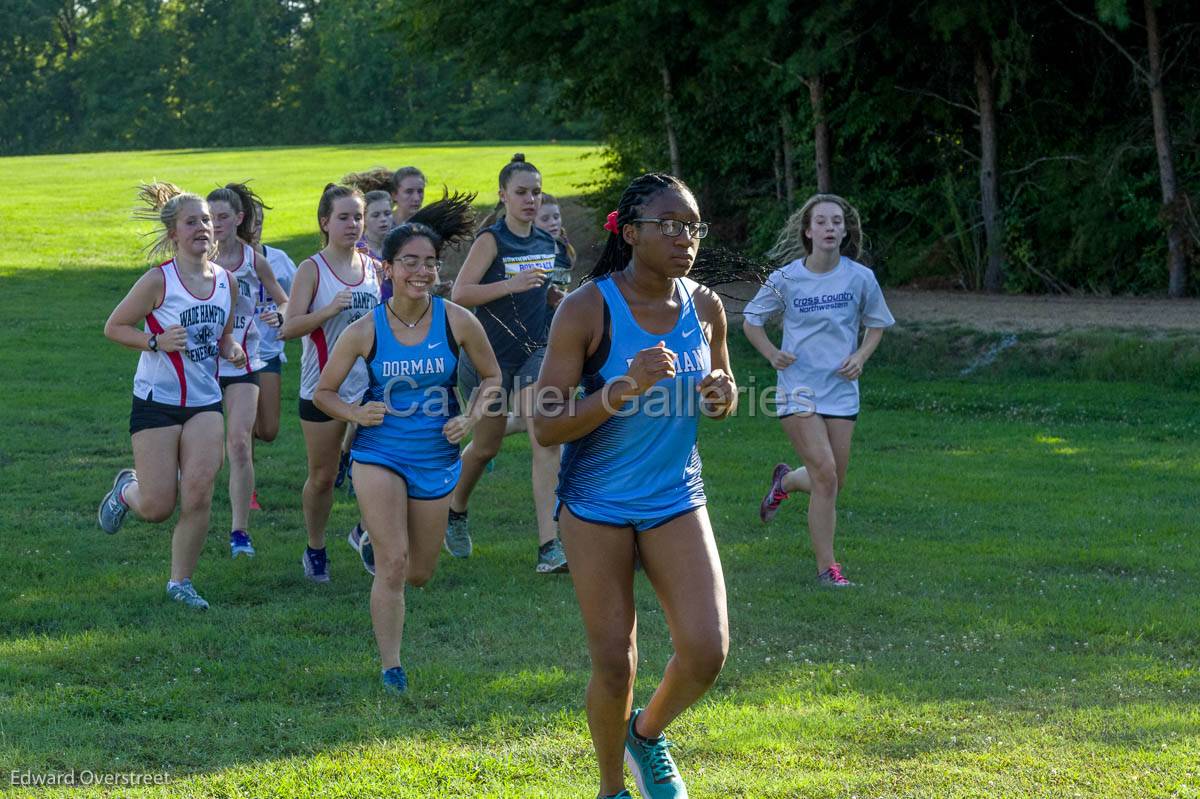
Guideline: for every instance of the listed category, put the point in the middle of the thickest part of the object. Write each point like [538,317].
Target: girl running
[377,223]
[187,307]
[232,209]
[406,458]
[270,347]
[549,219]
[408,192]
[333,289]
[376,185]
[826,297]
[647,345]
[504,279]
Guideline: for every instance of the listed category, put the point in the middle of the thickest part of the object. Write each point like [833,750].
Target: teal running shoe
[652,766]
[395,680]
[551,558]
[184,592]
[458,537]
[112,508]
[619,795]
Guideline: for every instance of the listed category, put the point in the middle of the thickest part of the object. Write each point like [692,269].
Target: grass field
[1028,623]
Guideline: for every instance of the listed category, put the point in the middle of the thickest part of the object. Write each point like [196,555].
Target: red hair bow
[611,224]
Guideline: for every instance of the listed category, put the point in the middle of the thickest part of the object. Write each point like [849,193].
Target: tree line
[86,75]
[994,144]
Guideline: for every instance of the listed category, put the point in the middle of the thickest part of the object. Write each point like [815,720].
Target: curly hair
[793,244]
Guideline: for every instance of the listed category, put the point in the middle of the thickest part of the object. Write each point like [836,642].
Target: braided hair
[450,220]
[714,266]
[617,252]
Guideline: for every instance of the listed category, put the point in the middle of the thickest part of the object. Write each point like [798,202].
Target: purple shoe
[775,494]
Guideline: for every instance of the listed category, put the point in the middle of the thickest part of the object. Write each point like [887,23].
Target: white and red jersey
[316,346]
[246,288]
[187,378]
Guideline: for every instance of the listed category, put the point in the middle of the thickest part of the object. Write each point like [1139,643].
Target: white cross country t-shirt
[822,314]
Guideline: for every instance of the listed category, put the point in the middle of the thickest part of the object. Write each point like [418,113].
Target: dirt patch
[1018,313]
[986,312]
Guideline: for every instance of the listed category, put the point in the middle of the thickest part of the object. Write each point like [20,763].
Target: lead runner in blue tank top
[647,346]
[406,456]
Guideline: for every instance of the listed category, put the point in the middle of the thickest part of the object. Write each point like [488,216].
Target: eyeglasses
[414,262]
[673,227]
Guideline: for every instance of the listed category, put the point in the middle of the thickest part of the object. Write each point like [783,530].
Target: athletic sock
[641,737]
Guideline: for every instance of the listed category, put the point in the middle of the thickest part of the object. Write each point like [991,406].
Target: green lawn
[1028,623]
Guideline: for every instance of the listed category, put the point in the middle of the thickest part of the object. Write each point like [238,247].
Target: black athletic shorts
[148,414]
[226,382]
[309,412]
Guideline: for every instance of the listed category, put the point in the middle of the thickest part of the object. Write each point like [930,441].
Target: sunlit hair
[793,244]
[378,178]
[161,203]
[450,220]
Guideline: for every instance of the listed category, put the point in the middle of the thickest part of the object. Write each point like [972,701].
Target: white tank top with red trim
[246,286]
[187,378]
[316,346]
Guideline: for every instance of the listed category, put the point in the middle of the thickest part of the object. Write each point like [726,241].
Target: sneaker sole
[103,502]
[765,512]
[454,554]
[247,552]
[547,569]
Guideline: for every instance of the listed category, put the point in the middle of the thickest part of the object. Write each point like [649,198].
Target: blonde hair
[161,202]
[793,244]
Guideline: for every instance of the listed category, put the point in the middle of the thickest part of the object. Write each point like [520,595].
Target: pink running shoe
[775,494]
[254,502]
[833,577]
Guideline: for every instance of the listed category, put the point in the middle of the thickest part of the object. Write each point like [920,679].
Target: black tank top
[516,323]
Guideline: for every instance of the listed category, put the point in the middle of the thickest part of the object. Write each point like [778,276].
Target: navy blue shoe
[239,544]
[395,680]
[360,541]
[343,470]
[316,565]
